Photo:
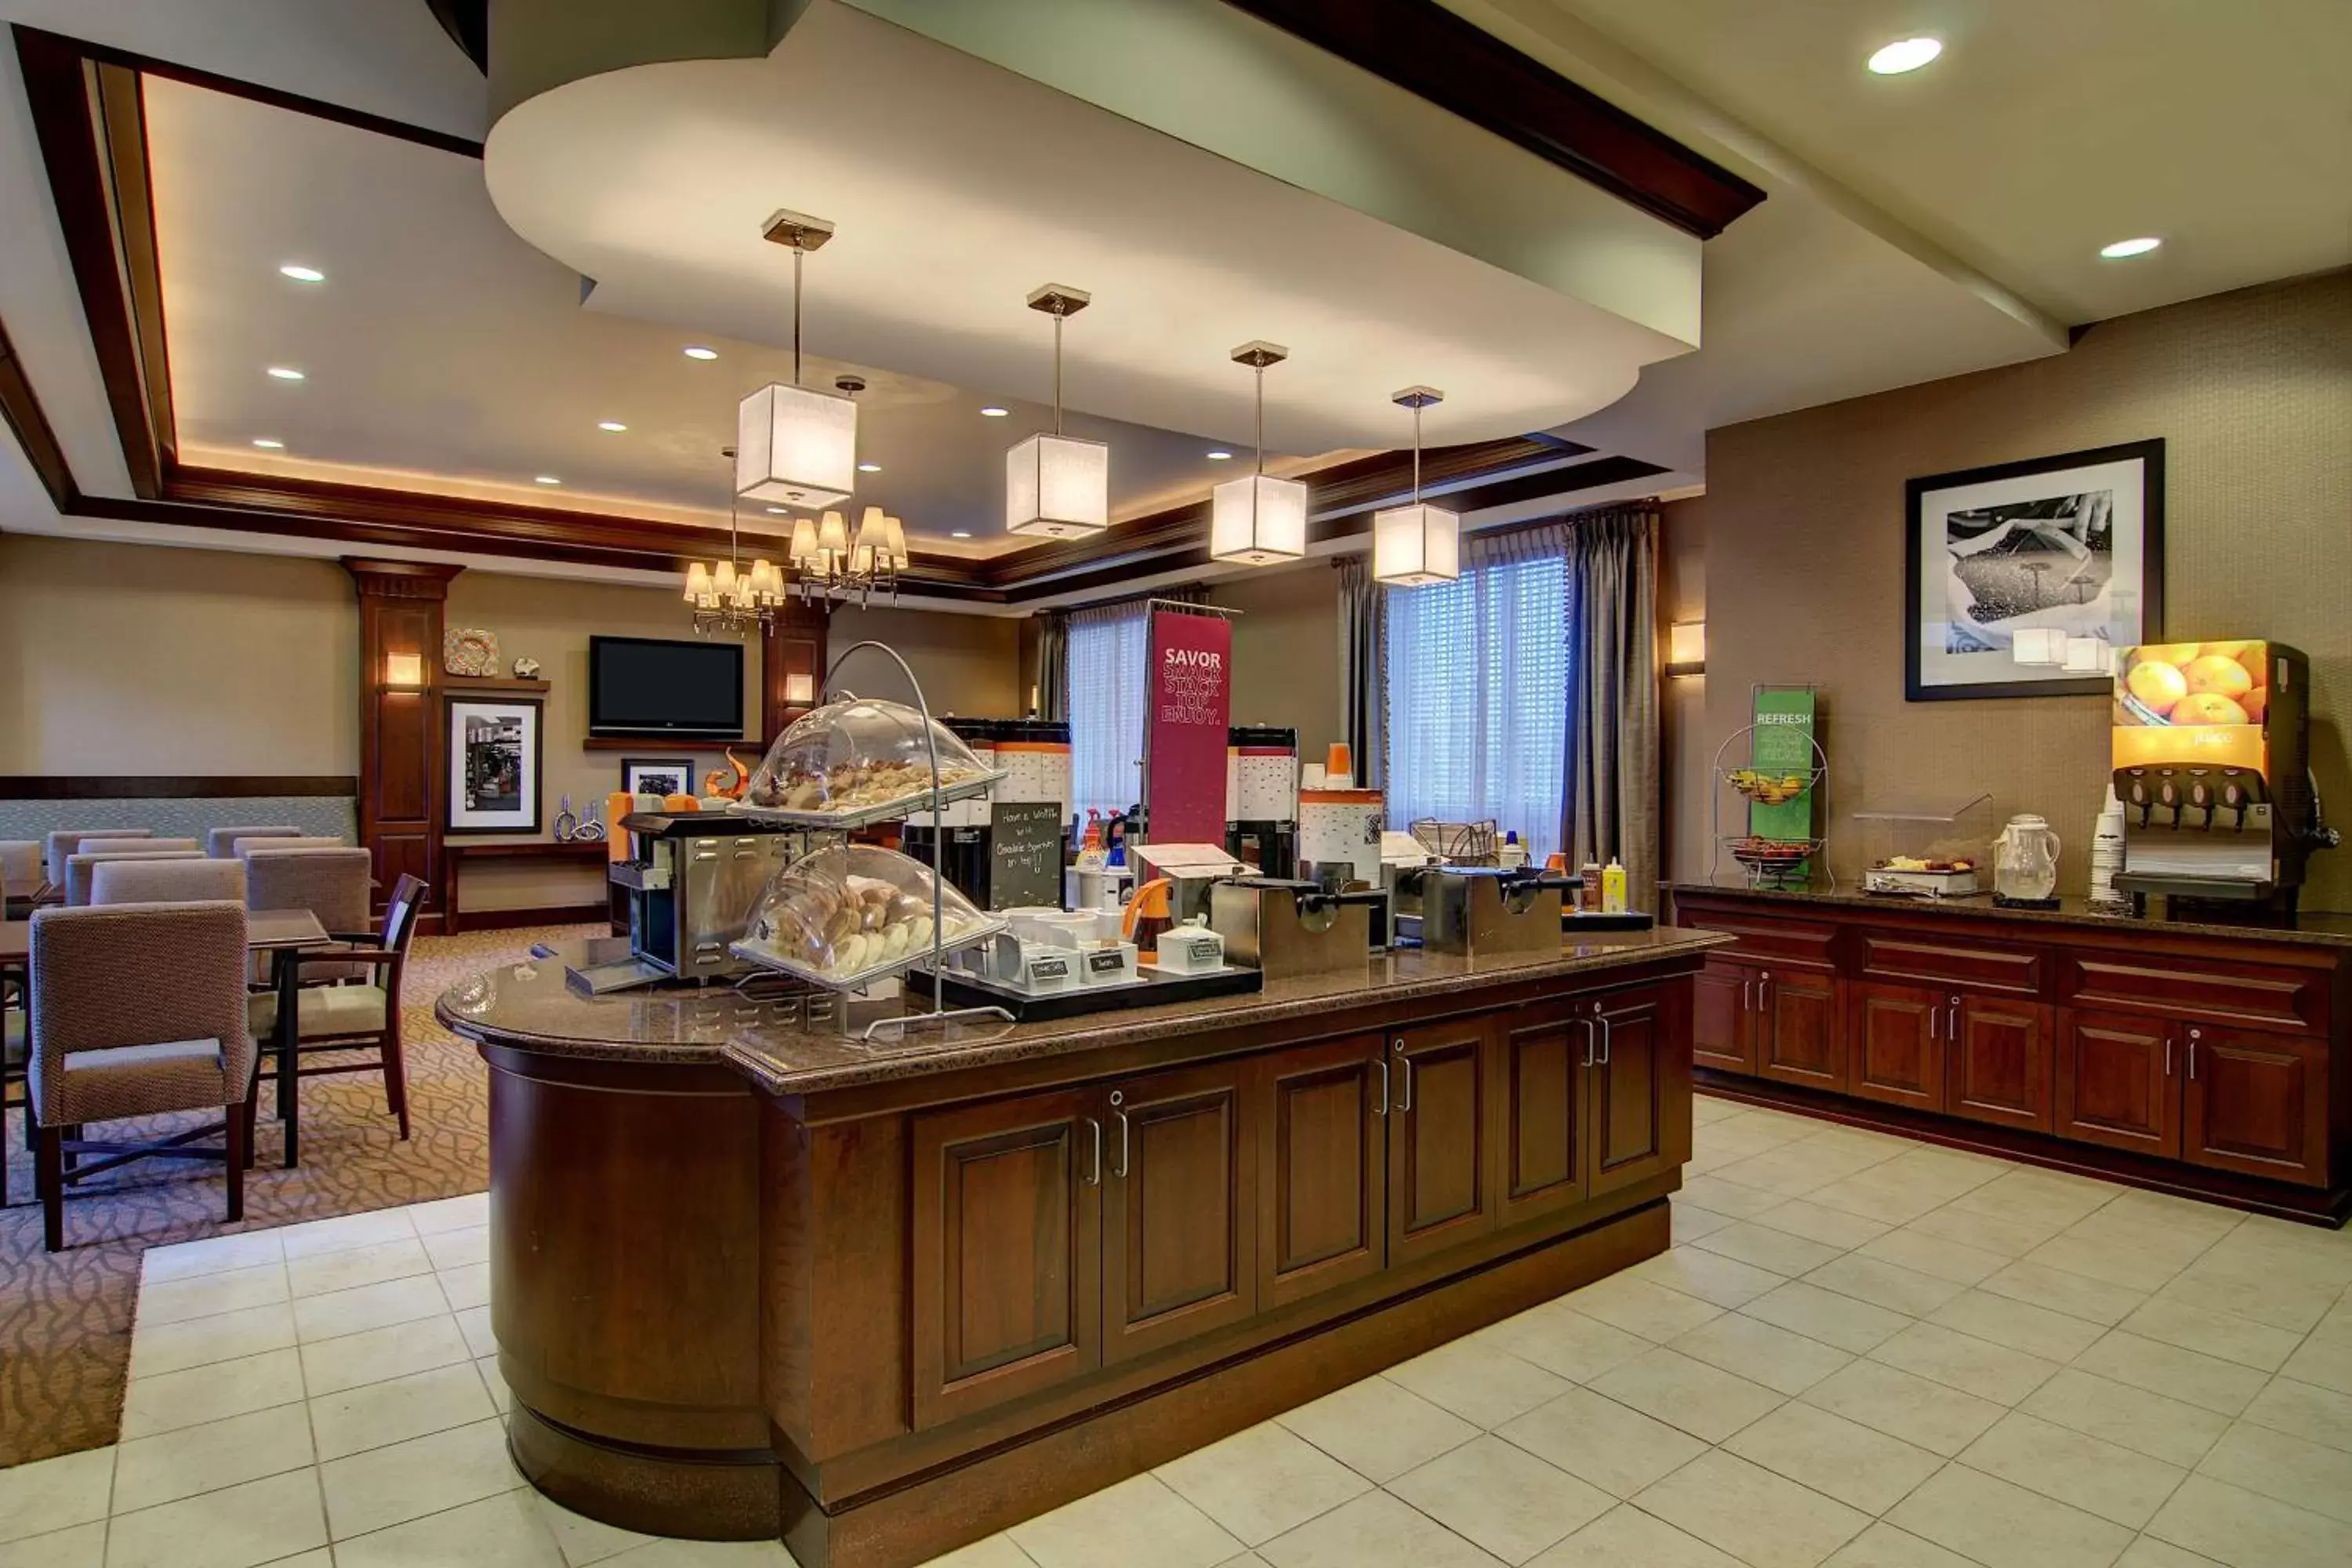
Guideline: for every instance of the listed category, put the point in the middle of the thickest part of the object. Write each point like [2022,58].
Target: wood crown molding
[400,579]
[1467,71]
[21,408]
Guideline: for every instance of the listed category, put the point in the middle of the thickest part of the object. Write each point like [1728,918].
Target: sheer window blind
[1107,655]
[1477,694]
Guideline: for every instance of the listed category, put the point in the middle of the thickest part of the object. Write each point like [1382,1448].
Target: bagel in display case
[847,914]
[860,759]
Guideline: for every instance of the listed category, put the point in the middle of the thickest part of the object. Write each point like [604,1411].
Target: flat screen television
[646,686]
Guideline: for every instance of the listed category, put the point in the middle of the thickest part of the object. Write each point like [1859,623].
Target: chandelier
[795,445]
[832,563]
[1416,544]
[1256,520]
[1057,485]
[727,596]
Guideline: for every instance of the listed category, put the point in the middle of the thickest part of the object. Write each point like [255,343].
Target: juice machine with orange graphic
[2211,758]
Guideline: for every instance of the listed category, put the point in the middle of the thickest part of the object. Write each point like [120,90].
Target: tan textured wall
[1286,652]
[968,664]
[124,659]
[2253,394]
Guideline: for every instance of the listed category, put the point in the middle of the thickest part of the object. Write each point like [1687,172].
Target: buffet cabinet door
[1640,1087]
[2117,1082]
[1894,1043]
[1797,1037]
[1439,1188]
[1722,1035]
[1007,1214]
[2000,1054]
[1544,1146]
[1322,1188]
[2255,1102]
[1179,1225]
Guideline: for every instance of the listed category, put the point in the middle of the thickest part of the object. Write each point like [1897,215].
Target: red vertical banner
[1184,727]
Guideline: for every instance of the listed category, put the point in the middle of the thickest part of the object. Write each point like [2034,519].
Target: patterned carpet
[64,1321]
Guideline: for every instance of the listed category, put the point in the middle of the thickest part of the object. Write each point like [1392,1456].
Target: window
[1107,653]
[1477,694]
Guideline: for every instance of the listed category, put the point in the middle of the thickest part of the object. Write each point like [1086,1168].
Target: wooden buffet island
[2211,1060]
[750,1281]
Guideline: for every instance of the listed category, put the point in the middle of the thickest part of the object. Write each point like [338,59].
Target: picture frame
[496,751]
[657,775]
[2074,542]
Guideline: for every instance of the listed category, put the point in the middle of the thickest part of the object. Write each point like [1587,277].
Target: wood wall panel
[401,783]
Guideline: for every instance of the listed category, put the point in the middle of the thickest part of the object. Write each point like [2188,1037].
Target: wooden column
[402,781]
[791,644]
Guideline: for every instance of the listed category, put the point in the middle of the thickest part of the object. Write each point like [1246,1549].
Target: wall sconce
[800,689]
[1686,647]
[406,669]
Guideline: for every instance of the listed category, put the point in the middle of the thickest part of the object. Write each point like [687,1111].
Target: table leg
[288,1037]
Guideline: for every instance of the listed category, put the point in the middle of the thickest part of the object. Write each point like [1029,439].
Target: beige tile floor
[1861,1350]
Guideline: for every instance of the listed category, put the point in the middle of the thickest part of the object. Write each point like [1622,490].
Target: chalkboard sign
[1024,854]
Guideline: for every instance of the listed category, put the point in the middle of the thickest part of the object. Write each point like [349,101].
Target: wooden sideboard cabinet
[2190,1058]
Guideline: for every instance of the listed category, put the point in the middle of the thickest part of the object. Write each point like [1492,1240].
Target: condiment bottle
[1612,888]
[1588,897]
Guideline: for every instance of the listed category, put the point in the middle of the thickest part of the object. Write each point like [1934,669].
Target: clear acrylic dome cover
[850,911]
[860,758]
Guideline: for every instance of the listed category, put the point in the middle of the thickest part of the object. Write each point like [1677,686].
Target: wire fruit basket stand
[1768,856]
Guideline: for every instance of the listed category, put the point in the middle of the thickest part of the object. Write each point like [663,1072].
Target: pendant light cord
[1057,370]
[798,256]
[1261,418]
[1416,454]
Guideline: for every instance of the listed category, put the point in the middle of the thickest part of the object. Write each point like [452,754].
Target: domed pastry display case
[848,914]
[858,760]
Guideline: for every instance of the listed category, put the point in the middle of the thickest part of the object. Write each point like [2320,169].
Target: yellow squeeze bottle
[1612,888]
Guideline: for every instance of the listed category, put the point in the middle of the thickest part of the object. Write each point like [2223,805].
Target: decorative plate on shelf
[469,650]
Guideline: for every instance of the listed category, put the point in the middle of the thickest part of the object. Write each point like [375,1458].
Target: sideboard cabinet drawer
[2224,992]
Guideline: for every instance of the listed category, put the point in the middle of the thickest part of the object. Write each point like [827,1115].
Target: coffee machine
[1261,798]
[2211,761]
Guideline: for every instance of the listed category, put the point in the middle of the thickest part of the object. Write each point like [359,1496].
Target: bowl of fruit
[1770,788]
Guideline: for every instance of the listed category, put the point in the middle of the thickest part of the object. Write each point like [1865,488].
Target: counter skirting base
[655,1491]
[2281,1200]
[932,1514]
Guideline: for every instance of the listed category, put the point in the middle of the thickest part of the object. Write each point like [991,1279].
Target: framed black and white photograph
[494,766]
[657,775]
[2013,572]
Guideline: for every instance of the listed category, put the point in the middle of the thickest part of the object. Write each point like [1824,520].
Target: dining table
[278,933]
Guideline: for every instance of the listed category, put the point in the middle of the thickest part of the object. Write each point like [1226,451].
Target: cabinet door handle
[1933,1015]
[1588,1040]
[2167,1056]
[1096,1180]
[1404,1064]
[1747,988]
[2193,1036]
[1118,1099]
[1952,1023]
[1382,1107]
[1604,1019]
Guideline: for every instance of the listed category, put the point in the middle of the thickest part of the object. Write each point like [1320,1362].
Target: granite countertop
[531,1007]
[2311,931]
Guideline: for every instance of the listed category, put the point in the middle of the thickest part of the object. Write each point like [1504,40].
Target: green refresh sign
[1782,746]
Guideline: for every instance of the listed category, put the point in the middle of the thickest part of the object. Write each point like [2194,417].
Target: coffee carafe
[2025,861]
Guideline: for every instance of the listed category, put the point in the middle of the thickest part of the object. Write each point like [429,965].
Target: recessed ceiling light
[993,412]
[546,480]
[267,445]
[284,373]
[2122,247]
[869,468]
[612,424]
[1221,457]
[301,274]
[1905,55]
[961,533]
[695,351]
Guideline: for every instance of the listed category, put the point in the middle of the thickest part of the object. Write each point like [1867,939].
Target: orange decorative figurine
[715,781]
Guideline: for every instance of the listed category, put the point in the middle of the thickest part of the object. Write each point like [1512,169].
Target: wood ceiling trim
[21,407]
[1465,71]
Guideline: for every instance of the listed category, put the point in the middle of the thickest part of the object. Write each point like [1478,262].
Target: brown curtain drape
[1363,668]
[1054,666]
[1610,803]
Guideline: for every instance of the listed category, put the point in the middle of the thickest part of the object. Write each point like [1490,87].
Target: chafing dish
[1286,928]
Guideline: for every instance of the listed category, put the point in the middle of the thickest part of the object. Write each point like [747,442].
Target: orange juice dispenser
[2211,764]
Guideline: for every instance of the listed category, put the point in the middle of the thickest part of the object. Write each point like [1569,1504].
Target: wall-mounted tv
[645,686]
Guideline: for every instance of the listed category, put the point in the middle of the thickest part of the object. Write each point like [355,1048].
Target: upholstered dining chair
[344,1018]
[165,879]
[241,847]
[220,842]
[65,841]
[137,1010]
[330,881]
[82,863]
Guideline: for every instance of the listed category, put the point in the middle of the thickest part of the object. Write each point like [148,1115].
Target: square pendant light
[797,446]
[1258,519]
[1415,546]
[1057,486]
